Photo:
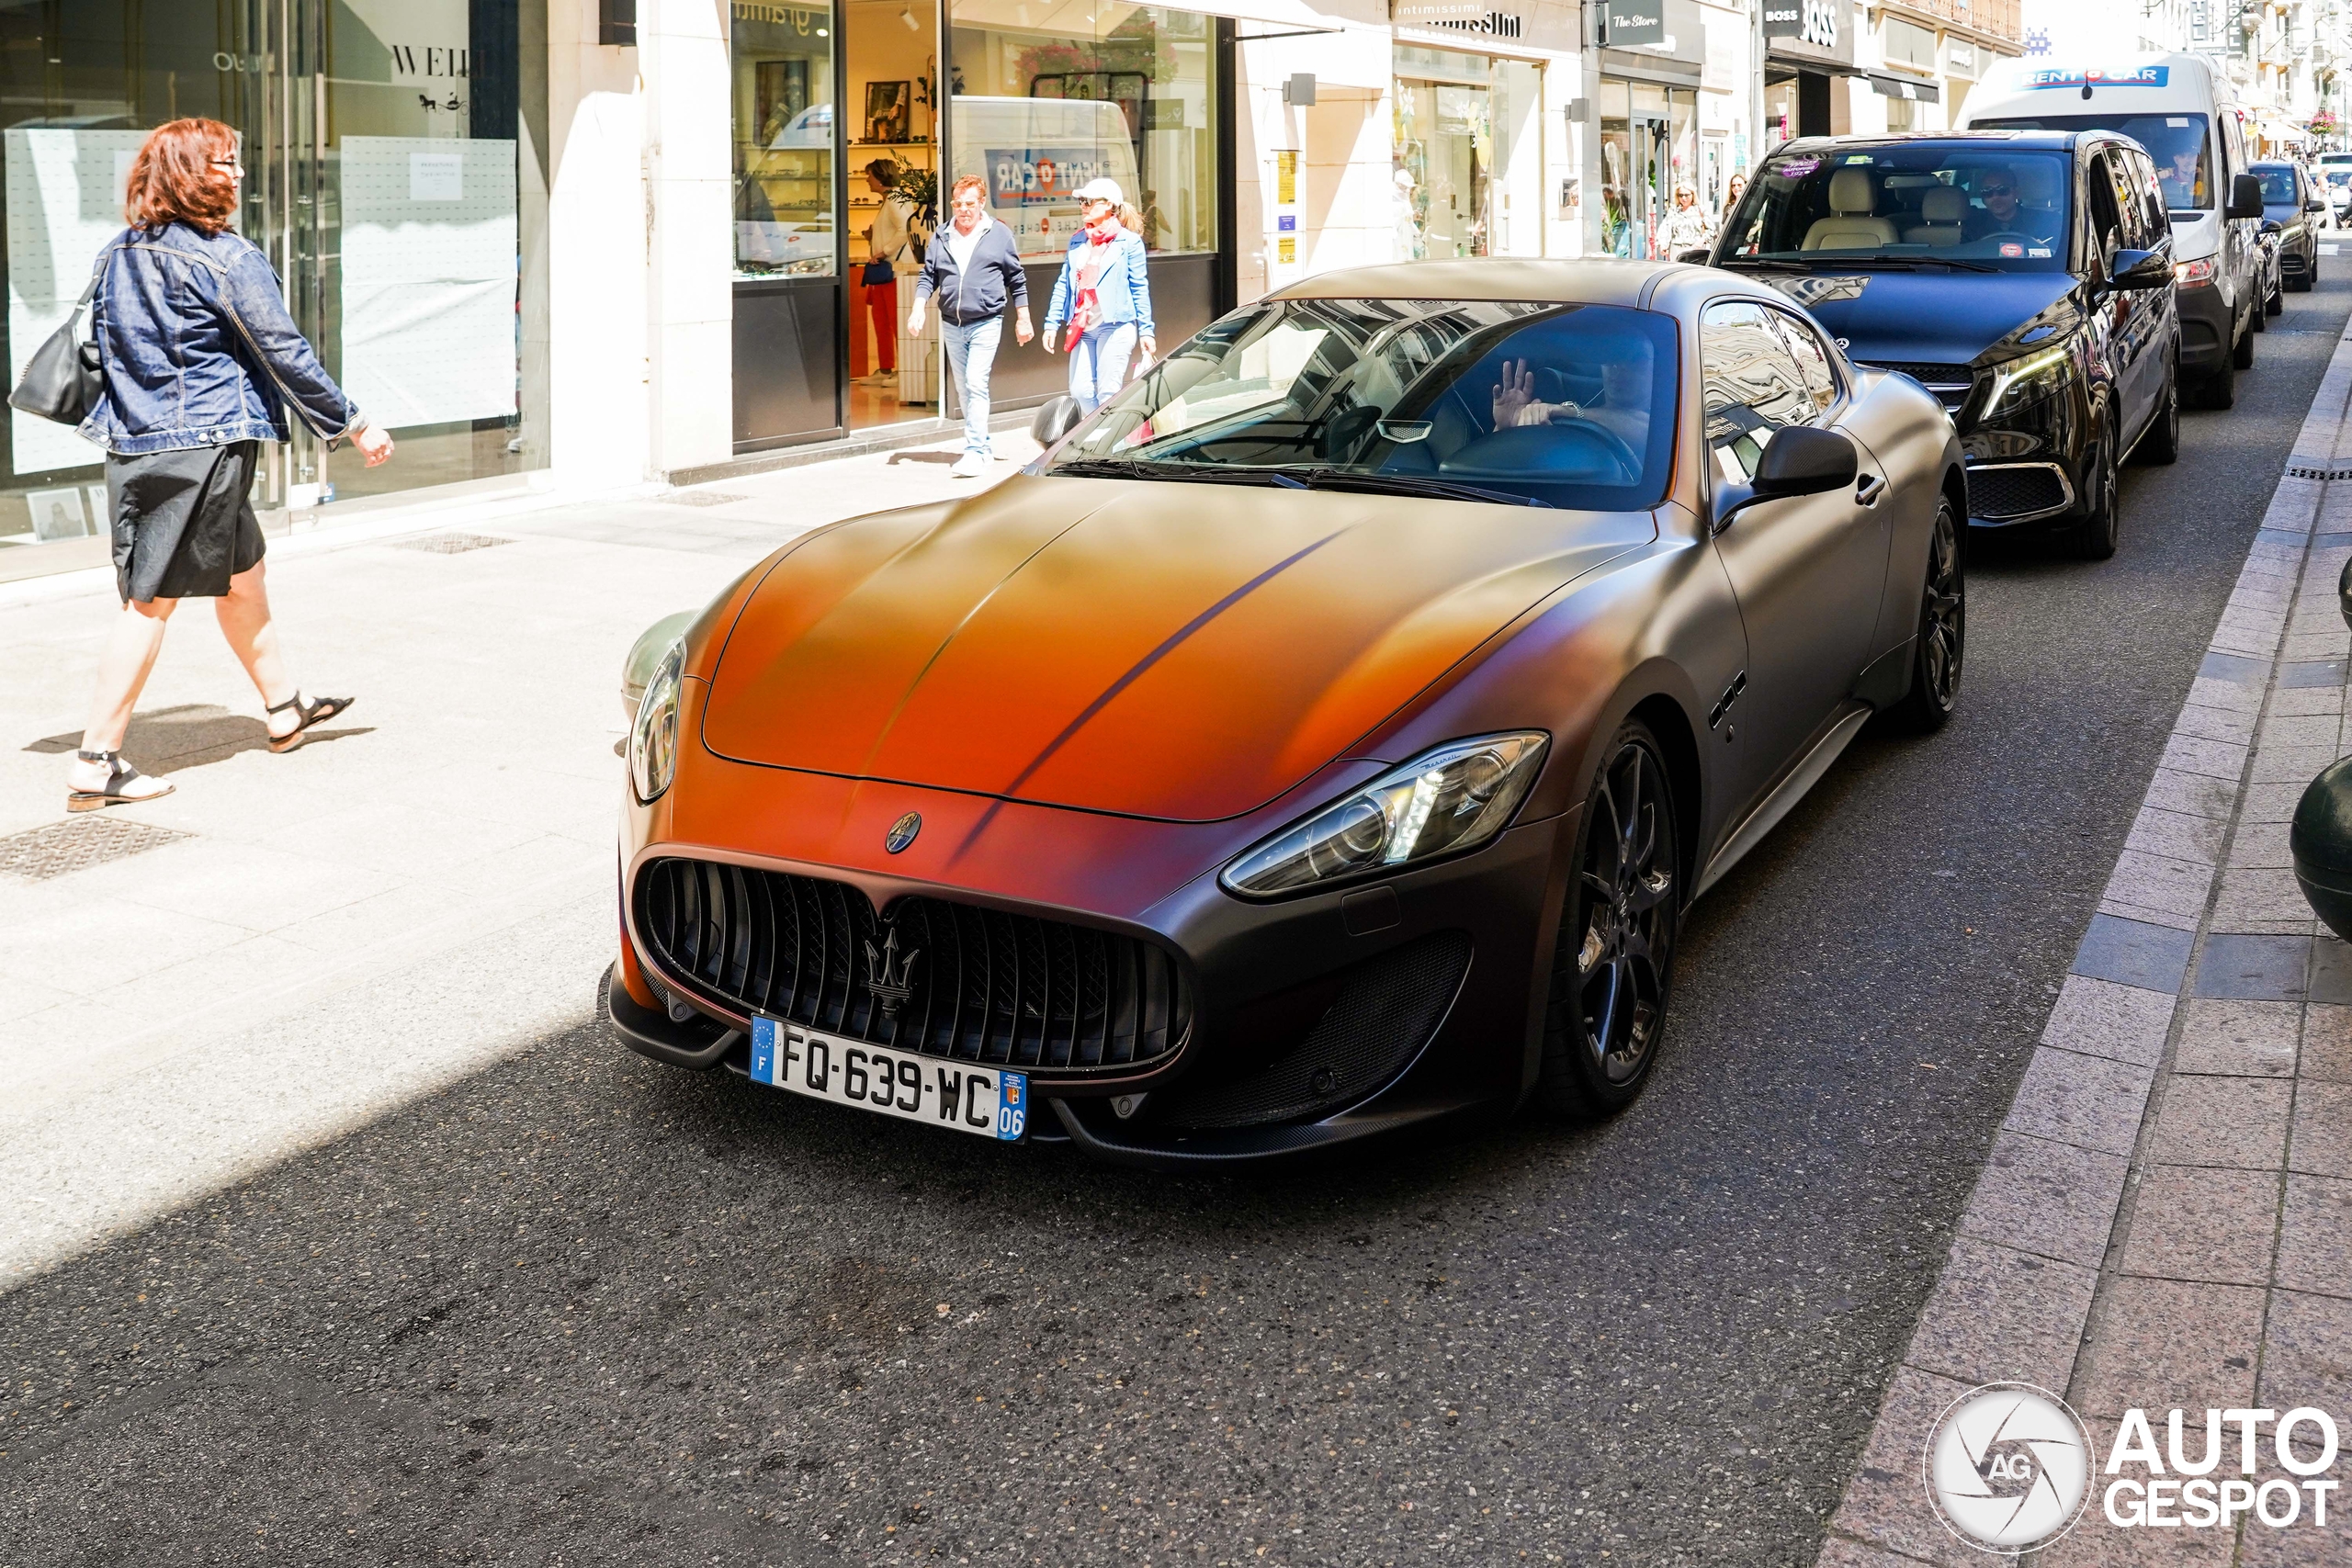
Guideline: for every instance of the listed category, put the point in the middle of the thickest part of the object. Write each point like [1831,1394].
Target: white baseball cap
[1102,190]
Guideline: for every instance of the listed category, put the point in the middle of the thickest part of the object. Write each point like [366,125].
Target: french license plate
[906,1083]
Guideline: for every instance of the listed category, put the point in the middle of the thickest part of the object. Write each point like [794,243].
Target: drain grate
[2310,472]
[702,498]
[57,848]
[451,544]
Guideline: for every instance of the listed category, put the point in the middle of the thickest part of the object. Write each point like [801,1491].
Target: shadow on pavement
[190,736]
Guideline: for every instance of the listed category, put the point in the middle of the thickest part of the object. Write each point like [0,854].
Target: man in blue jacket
[1105,295]
[975,269]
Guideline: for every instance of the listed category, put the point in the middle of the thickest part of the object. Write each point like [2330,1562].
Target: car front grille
[2020,492]
[1950,383]
[950,980]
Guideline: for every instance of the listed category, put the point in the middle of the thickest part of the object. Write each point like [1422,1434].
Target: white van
[1034,153]
[2187,115]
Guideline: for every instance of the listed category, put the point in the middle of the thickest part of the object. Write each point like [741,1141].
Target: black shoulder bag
[62,382]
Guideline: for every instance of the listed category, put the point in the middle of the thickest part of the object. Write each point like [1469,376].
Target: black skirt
[184,522]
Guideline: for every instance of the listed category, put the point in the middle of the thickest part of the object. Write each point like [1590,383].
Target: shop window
[1038,112]
[783,65]
[1908,43]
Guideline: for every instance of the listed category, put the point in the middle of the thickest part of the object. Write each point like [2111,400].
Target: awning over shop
[1088,19]
[2272,128]
[1888,85]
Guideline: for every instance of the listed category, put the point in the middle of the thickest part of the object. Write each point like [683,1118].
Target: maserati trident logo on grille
[891,978]
[902,832]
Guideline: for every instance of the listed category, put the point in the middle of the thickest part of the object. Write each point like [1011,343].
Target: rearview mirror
[1803,459]
[2245,197]
[2141,269]
[1057,418]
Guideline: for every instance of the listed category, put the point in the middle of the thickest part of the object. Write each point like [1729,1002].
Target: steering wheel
[1627,462]
[2018,235]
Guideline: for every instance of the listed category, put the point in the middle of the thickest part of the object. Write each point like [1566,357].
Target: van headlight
[1452,799]
[653,739]
[2028,379]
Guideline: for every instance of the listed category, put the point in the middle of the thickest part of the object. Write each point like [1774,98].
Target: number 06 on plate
[904,1084]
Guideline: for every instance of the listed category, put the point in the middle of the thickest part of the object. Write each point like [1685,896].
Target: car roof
[2056,141]
[1593,280]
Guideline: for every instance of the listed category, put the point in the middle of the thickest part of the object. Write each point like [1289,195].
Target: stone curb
[2038,1245]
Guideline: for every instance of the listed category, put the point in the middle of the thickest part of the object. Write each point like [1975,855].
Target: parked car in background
[2291,208]
[2186,115]
[2024,277]
[1426,637]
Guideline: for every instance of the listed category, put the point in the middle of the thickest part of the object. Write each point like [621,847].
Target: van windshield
[2176,141]
[1990,209]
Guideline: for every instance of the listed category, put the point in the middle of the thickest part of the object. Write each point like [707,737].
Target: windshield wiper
[1765,264]
[1832,262]
[1955,263]
[1151,468]
[1405,484]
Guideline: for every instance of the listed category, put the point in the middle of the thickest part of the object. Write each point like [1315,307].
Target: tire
[1941,644]
[2262,314]
[2241,356]
[2220,389]
[2098,518]
[2160,443]
[2277,305]
[1613,970]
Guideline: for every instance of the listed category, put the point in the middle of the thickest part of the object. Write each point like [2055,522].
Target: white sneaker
[970,466]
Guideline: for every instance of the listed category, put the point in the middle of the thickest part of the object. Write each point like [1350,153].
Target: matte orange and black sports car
[1325,737]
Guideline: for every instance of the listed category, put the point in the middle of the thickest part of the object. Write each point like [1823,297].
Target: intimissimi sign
[1544,24]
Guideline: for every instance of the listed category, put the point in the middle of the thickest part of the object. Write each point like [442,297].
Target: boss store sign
[1810,29]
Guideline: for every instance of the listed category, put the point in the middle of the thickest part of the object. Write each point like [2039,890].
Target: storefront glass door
[790,308]
[393,179]
[1648,145]
[1445,140]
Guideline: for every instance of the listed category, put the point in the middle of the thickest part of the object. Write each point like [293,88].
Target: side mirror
[1802,459]
[2245,197]
[1057,418]
[2141,269]
[1696,257]
[2314,204]
[2272,226]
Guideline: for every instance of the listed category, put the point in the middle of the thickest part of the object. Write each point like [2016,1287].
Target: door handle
[1868,489]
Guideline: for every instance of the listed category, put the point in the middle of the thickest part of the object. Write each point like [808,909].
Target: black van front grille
[950,980]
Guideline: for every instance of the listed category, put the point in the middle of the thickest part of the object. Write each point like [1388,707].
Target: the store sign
[1815,22]
[1540,24]
[1635,24]
[1036,176]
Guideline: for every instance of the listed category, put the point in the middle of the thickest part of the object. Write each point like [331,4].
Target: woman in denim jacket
[200,360]
[1105,294]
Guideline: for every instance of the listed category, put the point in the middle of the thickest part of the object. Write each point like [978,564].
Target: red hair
[173,178]
[973,181]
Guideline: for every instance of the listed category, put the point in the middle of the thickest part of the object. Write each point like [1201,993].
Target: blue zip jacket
[995,282]
[196,348]
[1123,290]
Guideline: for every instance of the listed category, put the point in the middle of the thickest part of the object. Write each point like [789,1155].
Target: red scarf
[1087,310]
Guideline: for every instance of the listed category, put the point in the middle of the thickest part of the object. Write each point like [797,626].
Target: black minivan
[2024,277]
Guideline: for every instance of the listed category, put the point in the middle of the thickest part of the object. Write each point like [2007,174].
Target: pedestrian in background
[975,270]
[1689,227]
[886,248]
[1104,295]
[197,359]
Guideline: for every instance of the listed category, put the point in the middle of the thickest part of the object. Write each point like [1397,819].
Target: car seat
[1850,226]
[1944,214]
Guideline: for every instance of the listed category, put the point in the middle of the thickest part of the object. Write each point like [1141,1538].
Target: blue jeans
[1098,364]
[971,353]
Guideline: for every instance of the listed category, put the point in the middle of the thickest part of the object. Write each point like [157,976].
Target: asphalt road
[581,1309]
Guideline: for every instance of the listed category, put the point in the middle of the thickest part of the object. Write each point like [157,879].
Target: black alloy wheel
[2278,304]
[1941,643]
[2271,305]
[1611,971]
[2242,358]
[2100,510]
[2160,443]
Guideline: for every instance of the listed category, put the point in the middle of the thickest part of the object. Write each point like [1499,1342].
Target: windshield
[1991,207]
[2176,141]
[1558,405]
[2278,183]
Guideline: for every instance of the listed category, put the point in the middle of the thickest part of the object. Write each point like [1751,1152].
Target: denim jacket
[1123,290]
[197,350]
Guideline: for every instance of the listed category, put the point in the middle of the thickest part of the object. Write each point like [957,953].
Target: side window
[1813,360]
[2106,213]
[2157,222]
[1752,387]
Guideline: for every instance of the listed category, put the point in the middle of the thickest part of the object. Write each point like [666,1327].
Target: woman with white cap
[1104,296]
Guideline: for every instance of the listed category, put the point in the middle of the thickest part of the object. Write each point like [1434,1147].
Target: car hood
[1180,651]
[1934,318]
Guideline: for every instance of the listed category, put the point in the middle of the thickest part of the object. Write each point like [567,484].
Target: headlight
[2190,274]
[2020,382]
[1453,798]
[653,739]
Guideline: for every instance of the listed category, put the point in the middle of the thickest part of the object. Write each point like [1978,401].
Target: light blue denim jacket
[1123,290]
[196,347]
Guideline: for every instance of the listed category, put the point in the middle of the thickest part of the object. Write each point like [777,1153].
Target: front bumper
[1285,1051]
[2025,465]
[2206,330]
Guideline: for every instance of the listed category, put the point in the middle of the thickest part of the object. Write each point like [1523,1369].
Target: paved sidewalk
[190,987]
[2165,1219]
